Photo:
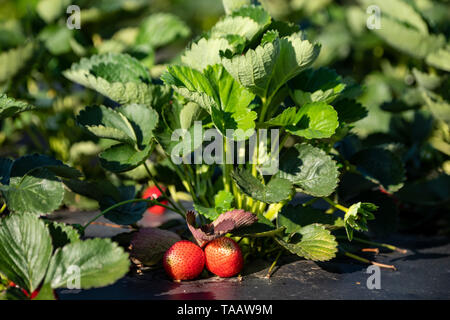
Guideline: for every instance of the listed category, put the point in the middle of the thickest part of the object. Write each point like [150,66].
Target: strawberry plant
[251,134]
[248,73]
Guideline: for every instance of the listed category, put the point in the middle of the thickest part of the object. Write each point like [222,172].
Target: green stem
[255,206]
[273,210]
[271,233]
[265,105]
[226,168]
[162,191]
[309,202]
[269,273]
[205,201]
[237,196]
[283,141]
[255,157]
[364,260]
[173,193]
[377,244]
[185,183]
[154,202]
[262,207]
[335,205]
[3,208]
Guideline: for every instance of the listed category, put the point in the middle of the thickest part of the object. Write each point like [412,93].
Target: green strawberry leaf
[232,100]
[93,189]
[438,106]
[205,52]
[232,5]
[143,119]
[125,214]
[440,58]
[10,107]
[309,168]
[349,111]
[50,10]
[229,94]
[101,262]
[216,91]
[400,11]
[404,29]
[223,201]
[247,22]
[123,157]
[191,84]
[314,85]
[429,81]
[116,76]
[177,116]
[356,217]
[380,166]
[132,125]
[62,234]
[39,192]
[107,123]
[266,69]
[161,29]
[25,251]
[315,121]
[14,60]
[45,293]
[275,191]
[25,164]
[287,117]
[317,243]
[209,213]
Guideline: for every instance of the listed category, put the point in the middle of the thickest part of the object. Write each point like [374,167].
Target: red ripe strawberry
[224,257]
[154,193]
[184,260]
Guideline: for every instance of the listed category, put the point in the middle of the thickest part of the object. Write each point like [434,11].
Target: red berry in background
[154,193]
[224,257]
[184,260]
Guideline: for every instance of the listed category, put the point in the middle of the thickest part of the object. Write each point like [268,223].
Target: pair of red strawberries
[185,260]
